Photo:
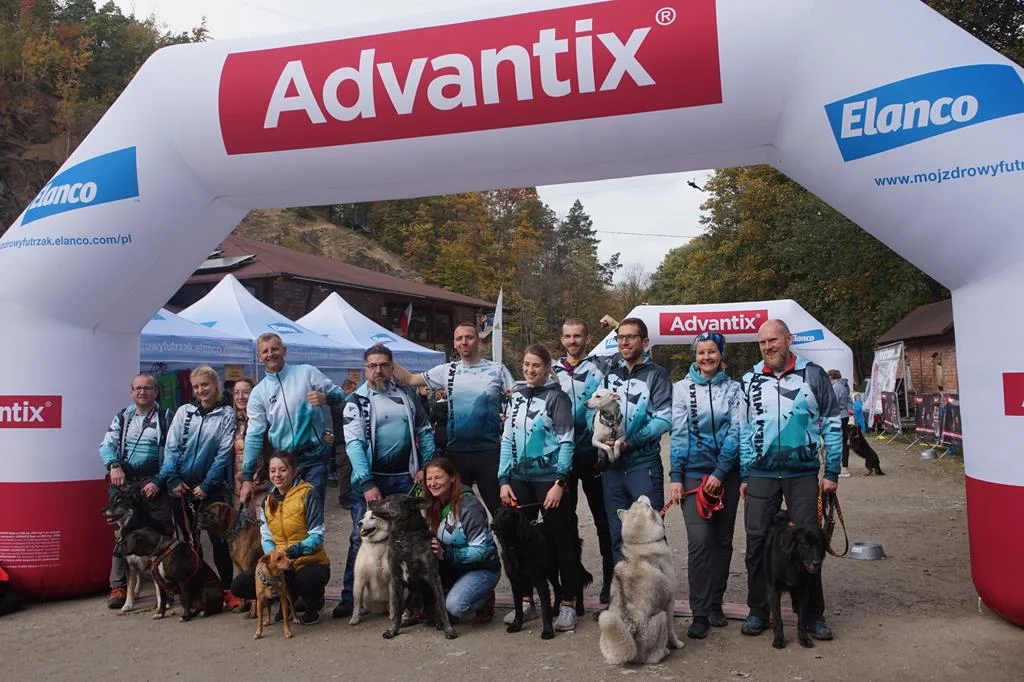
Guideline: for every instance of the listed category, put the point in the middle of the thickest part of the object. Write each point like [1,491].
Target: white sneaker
[845,473]
[530,611]
[566,621]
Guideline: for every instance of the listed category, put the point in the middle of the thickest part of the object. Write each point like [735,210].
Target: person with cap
[704,464]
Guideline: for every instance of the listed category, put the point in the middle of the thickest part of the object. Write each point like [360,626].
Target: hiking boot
[566,621]
[717,618]
[753,626]
[342,610]
[819,630]
[530,611]
[117,598]
[486,612]
[698,628]
[231,602]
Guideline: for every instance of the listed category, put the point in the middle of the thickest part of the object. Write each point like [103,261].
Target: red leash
[707,503]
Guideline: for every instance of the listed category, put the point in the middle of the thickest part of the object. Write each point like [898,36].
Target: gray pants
[160,509]
[709,547]
[764,499]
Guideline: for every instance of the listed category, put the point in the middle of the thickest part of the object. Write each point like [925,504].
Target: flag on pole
[496,334]
[404,319]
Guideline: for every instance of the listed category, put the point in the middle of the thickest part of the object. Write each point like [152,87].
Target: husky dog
[372,572]
[608,426]
[637,627]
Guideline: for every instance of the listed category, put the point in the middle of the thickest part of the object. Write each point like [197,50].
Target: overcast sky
[662,205]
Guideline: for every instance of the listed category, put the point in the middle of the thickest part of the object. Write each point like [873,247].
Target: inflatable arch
[884,109]
[680,324]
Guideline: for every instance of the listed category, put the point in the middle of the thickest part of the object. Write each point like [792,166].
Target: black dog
[127,511]
[860,446]
[414,568]
[178,570]
[531,562]
[792,560]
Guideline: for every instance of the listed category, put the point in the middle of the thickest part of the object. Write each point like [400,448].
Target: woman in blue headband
[705,463]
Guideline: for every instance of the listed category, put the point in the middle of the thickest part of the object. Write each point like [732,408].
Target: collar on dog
[164,553]
[240,522]
[270,582]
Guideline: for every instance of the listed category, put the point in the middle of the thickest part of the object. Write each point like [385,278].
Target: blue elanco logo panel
[809,336]
[100,180]
[924,106]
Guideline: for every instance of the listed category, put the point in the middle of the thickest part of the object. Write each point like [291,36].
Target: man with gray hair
[788,406]
[287,406]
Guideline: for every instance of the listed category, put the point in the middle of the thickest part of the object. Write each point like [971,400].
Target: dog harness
[272,583]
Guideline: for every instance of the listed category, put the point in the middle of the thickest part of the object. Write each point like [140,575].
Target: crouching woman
[470,568]
[292,519]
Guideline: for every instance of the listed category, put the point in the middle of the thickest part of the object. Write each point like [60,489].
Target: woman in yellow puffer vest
[292,519]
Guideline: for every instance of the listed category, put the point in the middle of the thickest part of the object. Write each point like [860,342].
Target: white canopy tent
[336,319]
[170,339]
[738,322]
[230,308]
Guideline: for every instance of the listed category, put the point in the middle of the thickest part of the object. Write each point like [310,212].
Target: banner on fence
[890,412]
[928,415]
[884,368]
[952,431]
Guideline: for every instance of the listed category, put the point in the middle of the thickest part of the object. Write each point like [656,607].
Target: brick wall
[922,368]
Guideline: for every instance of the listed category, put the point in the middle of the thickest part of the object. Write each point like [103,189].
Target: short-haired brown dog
[270,585]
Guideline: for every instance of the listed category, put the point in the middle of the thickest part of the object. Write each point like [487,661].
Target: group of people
[524,443]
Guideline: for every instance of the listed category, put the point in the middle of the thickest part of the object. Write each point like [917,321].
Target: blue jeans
[388,485]
[622,488]
[470,592]
[316,476]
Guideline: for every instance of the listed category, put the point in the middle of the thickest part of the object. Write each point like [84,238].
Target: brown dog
[240,532]
[271,585]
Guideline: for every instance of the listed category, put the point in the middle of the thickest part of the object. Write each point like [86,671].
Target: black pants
[344,475]
[709,546]
[764,499]
[479,467]
[845,421]
[308,583]
[583,472]
[561,530]
[185,520]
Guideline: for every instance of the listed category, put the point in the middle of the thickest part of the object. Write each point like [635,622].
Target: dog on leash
[271,585]
[608,426]
[414,567]
[241,534]
[176,569]
[860,446]
[126,511]
[792,560]
[372,571]
[637,626]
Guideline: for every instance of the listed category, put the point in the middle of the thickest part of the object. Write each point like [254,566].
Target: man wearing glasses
[645,398]
[388,438]
[132,451]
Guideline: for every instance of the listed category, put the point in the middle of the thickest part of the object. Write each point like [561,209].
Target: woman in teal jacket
[705,443]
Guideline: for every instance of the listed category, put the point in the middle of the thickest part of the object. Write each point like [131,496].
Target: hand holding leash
[372,495]
[316,398]
[554,497]
[507,496]
[675,493]
[712,485]
[826,486]
[199,493]
[246,492]
[150,490]
[117,477]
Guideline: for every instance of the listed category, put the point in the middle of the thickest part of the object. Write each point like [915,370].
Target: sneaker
[819,630]
[716,618]
[566,621]
[698,628]
[753,626]
[530,611]
[310,617]
[231,602]
[342,610]
[116,598]
[845,473]
[486,612]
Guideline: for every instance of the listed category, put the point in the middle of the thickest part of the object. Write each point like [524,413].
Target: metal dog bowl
[868,551]
[928,454]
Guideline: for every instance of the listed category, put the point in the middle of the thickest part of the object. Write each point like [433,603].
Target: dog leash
[828,508]
[707,503]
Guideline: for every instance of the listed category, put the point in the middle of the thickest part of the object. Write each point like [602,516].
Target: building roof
[271,260]
[932,319]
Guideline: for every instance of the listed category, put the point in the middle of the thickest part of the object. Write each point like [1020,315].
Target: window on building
[442,327]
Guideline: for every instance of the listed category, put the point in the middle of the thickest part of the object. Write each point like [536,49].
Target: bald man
[788,407]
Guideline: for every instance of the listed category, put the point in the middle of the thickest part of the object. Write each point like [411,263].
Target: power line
[650,234]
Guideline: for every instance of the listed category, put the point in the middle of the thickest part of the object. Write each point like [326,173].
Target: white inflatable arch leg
[881,107]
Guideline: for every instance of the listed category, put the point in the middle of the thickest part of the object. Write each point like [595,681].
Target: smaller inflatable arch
[673,325]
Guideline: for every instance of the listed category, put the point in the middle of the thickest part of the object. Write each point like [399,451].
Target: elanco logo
[587,61]
[30,411]
[99,180]
[924,106]
[726,322]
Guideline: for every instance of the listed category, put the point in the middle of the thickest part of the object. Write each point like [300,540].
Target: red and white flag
[404,319]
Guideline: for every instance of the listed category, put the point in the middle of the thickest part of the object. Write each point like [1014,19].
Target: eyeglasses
[628,337]
[143,389]
[374,366]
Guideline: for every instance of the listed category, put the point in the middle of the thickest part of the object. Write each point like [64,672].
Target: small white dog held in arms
[608,426]
[637,627]
[372,590]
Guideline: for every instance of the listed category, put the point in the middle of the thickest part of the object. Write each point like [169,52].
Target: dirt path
[913,616]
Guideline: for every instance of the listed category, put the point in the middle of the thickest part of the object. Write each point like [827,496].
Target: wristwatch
[560,482]
[114,465]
